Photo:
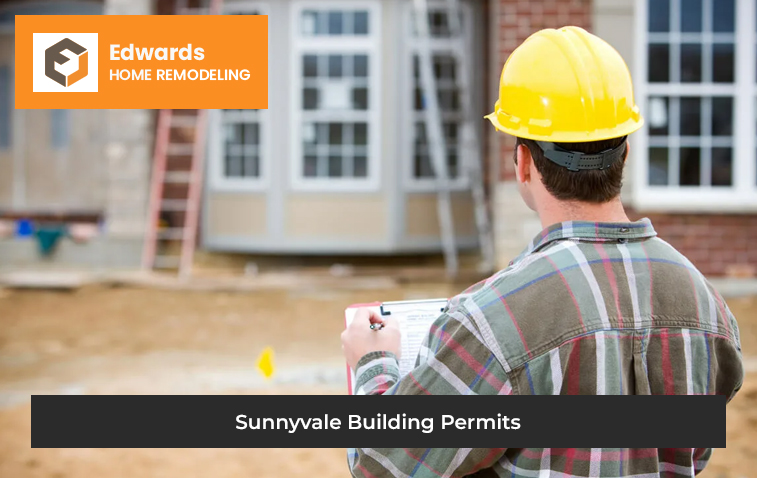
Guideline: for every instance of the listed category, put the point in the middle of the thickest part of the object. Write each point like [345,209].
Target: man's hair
[588,185]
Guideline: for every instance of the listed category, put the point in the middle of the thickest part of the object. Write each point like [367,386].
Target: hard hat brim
[621,130]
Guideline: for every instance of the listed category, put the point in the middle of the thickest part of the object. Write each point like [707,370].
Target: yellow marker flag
[265,362]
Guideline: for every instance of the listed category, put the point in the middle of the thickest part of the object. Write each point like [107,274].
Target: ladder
[435,134]
[471,151]
[469,144]
[176,182]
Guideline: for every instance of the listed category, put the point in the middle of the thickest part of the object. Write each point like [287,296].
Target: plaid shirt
[587,308]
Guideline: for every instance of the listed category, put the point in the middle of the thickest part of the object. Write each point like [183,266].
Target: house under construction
[346,159]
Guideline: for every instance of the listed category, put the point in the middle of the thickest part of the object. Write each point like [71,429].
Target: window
[241,144]
[239,138]
[336,95]
[452,90]
[697,64]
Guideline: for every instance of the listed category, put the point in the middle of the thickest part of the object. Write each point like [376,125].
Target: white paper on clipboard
[414,317]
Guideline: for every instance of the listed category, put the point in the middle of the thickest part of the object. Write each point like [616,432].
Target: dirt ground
[127,340]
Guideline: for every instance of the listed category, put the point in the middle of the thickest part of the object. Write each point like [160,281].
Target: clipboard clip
[384,308]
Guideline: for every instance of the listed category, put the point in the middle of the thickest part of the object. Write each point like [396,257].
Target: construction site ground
[100,339]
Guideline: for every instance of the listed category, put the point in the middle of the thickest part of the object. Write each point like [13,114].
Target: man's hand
[359,339]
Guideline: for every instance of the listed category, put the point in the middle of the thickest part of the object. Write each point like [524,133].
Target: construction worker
[595,305]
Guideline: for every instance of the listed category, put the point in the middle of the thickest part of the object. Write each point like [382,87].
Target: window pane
[361,166]
[335,166]
[422,165]
[309,22]
[310,98]
[659,15]
[722,116]
[689,168]
[450,132]
[691,15]
[658,116]
[335,95]
[310,66]
[311,166]
[691,63]
[254,166]
[335,133]
[452,163]
[444,67]
[418,99]
[449,100]
[439,24]
[658,166]
[232,166]
[251,133]
[360,134]
[335,66]
[360,66]
[723,15]
[322,133]
[722,167]
[659,63]
[360,98]
[420,133]
[336,23]
[360,22]
[691,118]
[722,62]
[233,134]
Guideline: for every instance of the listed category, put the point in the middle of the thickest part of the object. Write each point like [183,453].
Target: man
[595,305]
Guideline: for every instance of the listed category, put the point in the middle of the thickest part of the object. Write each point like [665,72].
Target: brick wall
[517,20]
[718,244]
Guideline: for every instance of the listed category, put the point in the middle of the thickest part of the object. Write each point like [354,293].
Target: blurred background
[160,252]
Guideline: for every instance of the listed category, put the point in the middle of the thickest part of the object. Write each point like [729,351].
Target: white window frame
[742,196]
[344,44]
[462,181]
[216,164]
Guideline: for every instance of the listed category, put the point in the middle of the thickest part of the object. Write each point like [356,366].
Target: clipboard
[415,318]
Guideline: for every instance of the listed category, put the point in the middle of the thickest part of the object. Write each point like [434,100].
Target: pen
[377,326]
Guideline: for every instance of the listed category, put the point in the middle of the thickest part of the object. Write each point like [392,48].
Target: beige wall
[336,216]
[515,224]
[422,218]
[236,214]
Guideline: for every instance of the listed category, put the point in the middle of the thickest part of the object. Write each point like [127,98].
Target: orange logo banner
[145,62]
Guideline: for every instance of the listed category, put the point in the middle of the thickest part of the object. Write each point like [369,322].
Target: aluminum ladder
[435,134]
[470,152]
[470,146]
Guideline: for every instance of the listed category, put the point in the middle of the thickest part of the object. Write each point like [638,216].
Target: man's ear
[628,148]
[523,168]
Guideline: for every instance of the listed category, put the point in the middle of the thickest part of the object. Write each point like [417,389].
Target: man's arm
[453,360]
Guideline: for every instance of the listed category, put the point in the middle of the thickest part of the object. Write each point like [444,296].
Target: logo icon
[58,54]
[64,62]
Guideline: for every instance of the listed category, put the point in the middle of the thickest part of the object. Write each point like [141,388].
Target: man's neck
[554,211]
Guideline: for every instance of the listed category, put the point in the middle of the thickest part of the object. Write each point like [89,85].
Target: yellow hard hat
[566,86]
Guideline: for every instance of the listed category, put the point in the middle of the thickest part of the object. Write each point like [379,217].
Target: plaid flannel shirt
[588,308]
